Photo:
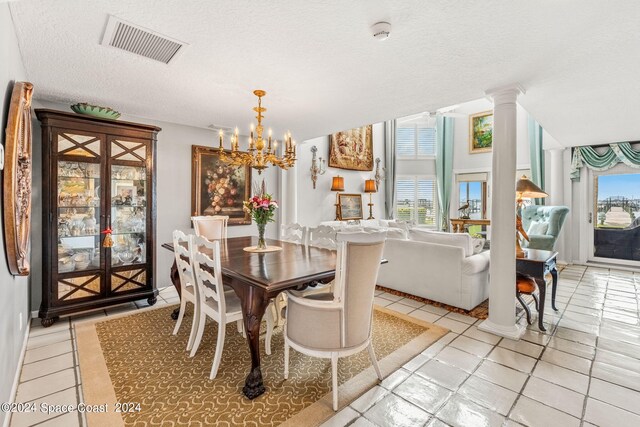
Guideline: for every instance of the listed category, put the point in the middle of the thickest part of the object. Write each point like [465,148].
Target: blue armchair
[552,215]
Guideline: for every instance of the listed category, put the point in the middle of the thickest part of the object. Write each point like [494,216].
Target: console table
[458,224]
[536,264]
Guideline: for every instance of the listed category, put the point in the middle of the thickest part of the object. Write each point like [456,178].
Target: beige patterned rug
[135,358]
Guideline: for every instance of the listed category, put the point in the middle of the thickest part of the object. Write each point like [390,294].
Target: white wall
[315,206]
[465,162]
[174,188]
[14,291]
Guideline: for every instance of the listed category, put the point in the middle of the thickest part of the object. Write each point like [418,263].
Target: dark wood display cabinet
[96,174]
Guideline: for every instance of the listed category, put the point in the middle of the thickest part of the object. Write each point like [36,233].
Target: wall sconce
[318,166]
[370,186]
[379,176]
[337,185]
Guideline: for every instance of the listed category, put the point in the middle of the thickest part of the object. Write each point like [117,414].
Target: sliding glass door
[615,217]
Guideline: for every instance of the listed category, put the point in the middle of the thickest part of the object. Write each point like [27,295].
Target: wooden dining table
[258,277]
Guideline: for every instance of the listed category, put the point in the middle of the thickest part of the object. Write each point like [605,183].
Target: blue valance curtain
[621,152]
[444,167]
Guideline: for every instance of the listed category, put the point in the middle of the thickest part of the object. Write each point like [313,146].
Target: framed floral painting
[481,132]
[352,149]
[218,188]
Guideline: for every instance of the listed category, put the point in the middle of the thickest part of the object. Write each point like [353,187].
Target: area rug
[135,359]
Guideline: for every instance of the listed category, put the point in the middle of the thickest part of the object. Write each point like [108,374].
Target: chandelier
[261,152]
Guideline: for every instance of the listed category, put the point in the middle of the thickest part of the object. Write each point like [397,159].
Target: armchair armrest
[541,241]
[476,263]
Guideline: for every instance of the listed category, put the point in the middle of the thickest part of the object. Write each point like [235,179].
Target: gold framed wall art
[350,206]
[352,149]
[481,132]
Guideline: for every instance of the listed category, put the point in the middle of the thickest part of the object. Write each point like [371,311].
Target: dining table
[258,277]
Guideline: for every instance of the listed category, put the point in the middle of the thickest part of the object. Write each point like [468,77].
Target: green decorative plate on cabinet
[95,111]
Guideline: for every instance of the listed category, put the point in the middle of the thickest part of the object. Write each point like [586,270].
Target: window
[416,200]
[415,140]
[472,193]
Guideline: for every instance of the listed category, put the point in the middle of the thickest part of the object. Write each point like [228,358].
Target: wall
[315,206]
[14,291]
[465,162]
[174,188]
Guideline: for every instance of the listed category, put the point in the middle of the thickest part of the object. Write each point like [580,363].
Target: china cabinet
[97,175]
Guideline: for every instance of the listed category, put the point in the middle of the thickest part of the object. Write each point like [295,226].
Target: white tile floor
[584,371]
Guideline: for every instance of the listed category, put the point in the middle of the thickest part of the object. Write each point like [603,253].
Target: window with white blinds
[413,140]
[416,199]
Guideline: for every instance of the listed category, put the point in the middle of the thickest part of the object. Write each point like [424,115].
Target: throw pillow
[538,228]
[478,244]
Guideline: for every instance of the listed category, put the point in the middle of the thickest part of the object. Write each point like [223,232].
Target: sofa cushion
[461,240]
[396,233]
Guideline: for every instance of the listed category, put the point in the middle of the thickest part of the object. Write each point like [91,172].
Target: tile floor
[584,371]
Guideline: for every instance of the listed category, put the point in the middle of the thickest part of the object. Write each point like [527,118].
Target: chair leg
[267,340]
[183,303]
[277,304]
[536,302]
[194,326]
[196,342]
[219,346]
[240,326]
[334,379]
[524,306]
[374,361]
[286,359]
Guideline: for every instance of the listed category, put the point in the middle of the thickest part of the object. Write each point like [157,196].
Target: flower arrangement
[262,209]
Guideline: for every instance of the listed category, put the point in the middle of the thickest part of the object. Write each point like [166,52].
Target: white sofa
[438,266]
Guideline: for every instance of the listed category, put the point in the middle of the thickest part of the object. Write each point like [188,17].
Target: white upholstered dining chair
[187,280]
[212,227]
[345,315]
[221,306]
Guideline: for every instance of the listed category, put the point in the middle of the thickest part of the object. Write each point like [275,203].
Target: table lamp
[337,184]
[525,189]
[370,187]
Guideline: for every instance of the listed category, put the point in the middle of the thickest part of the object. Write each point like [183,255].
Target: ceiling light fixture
[261,152]
[381,30]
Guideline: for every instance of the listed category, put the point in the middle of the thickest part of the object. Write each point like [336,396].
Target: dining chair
[212,227]
[346,314]
[184,264]
[322,236]
[221,306]
[293,233]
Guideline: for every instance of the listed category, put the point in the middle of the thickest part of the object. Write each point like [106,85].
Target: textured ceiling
[577,59]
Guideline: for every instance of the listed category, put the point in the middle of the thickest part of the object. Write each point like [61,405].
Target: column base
[513,332]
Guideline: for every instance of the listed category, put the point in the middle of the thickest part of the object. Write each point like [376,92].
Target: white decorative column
[502,287]
[290,196]
[556,189]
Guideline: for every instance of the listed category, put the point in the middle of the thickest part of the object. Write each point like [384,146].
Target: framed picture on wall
[481,132]
[350,206]
[218,188]
[352,149]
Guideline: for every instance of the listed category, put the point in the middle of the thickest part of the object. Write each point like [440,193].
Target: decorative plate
[95,111]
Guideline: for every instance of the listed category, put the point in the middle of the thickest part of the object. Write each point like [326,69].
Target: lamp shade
[525,189]
[337,184]
[370,186]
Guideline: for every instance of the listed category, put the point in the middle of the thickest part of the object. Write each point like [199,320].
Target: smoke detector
[381,30]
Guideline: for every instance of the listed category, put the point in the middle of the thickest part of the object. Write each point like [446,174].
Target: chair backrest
[181,251]
[293,233]
[205,255]
[212,227]
[358,262]
[553,215]
[322,236]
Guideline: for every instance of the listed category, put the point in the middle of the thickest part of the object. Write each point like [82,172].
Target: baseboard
[16,379]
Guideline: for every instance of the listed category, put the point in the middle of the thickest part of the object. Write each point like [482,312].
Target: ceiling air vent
[141,41]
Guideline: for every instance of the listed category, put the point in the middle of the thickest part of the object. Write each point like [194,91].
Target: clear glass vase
[261,243]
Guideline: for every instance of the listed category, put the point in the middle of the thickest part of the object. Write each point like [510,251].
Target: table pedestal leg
[254,303]
[554,275]
[542,287]
[175,279]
